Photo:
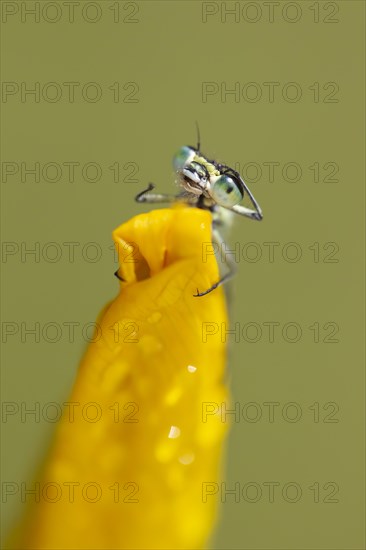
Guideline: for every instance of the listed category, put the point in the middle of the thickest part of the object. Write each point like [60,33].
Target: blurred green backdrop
[118,87]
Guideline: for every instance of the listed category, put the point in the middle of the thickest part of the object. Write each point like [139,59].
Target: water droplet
[164,452]
[173,395]
[191,368]
[174,432]
[149,344]
[155,317]
[188,458]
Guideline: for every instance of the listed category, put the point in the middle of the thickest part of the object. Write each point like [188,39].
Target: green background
[169,52]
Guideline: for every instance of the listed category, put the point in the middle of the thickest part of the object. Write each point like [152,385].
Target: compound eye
[183,157]
[226,191]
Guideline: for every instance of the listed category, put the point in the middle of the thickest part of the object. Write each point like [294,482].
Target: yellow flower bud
[133,456]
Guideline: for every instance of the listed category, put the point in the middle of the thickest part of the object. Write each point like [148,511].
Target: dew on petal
[148,344]
[174,432]
[155,317]
[188,458]
[173,395]
[164,452]
[191,368]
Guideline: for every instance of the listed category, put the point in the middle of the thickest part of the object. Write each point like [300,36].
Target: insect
[209,185]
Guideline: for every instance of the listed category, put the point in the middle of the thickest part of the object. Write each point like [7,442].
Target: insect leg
[154,197]
[216,238]
[243,211]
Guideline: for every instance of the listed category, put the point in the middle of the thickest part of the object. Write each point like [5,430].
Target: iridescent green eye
[226,191]
[183,157]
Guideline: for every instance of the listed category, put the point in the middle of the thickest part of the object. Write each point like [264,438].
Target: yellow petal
[134,439]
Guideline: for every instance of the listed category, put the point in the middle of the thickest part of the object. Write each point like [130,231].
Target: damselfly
[209,185]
